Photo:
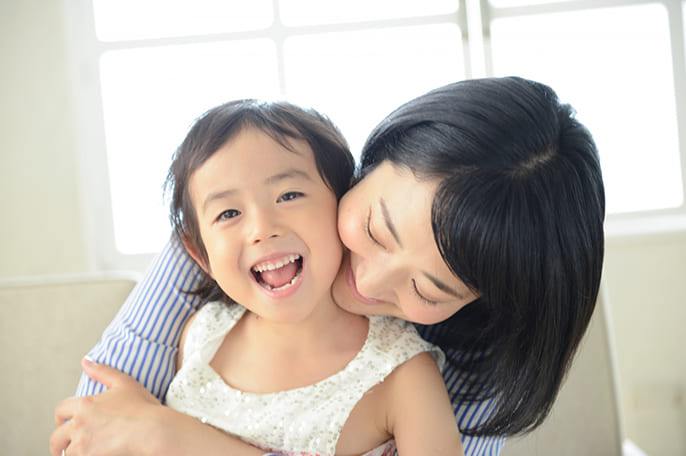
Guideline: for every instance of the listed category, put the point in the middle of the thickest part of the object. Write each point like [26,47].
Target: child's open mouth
[278,274]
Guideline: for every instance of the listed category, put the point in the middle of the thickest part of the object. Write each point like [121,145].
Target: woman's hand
[115,422]
[128,420]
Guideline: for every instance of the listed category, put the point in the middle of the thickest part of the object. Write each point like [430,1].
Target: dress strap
[212,323]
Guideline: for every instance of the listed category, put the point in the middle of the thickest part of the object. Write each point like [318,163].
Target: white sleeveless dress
[302,421]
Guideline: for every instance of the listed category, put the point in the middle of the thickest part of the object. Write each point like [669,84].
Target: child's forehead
[253,155]
[291,141]
[258,147]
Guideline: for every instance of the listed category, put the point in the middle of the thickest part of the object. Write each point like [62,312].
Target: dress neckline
[234,317]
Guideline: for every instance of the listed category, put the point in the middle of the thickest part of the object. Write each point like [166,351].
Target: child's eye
[289,196]
[228,214]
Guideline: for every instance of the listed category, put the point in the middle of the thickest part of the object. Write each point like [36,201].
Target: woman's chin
[345,299]
[360,308]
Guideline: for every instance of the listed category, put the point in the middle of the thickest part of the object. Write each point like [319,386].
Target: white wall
[41,231]
[646,282]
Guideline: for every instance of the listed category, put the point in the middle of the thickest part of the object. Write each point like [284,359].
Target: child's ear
[192,252]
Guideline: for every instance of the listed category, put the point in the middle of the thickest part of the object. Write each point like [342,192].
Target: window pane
[510,3]
[614,67]
[358,78]
[150,98]
[140,19]
[307,12]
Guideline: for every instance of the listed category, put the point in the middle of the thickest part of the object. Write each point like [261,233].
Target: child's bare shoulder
[419,371]
[182,340]
[420,414]
[412,398]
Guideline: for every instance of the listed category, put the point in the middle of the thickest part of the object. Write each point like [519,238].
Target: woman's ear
[194,254]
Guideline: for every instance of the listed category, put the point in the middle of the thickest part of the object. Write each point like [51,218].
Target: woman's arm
[142,340]
[128,420]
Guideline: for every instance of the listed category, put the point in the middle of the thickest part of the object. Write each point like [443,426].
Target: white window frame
[473,17]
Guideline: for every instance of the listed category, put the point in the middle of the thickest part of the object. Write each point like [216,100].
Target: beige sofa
[48,323]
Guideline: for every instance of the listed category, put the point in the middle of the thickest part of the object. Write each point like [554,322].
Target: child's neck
[310,335]
[262,356]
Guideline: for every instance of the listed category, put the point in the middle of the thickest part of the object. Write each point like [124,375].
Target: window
[144,69]
[622,66]
[618,75]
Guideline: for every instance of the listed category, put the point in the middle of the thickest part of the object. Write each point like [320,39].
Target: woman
[499,265]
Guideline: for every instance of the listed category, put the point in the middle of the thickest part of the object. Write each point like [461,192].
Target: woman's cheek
[424,314]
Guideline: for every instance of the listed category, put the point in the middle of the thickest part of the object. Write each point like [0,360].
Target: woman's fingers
[66,409]
[108,423]
[104,374]
[59,439]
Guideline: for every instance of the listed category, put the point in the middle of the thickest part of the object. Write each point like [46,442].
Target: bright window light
[614,66]
[310,12]
[150,98]
[119,20]
[355,61]
[511,3]
[152,95]
[357,78]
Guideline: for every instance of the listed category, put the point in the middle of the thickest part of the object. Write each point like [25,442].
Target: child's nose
[264,225]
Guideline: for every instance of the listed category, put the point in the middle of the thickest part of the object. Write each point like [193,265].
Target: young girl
[271,358]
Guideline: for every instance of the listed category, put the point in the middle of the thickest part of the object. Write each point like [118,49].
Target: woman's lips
[350,279]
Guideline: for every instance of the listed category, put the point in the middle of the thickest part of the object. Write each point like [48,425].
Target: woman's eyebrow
[389,222]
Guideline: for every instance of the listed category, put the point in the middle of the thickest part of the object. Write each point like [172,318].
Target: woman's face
[393,266]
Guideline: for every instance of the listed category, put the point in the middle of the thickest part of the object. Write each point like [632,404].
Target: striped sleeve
[467,414]
[143,337]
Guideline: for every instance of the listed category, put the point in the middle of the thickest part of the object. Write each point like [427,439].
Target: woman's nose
[374,280]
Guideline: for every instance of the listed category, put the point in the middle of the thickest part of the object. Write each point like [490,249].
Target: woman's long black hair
[518,217]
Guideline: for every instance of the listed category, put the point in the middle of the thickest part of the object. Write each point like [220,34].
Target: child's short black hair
[281,121]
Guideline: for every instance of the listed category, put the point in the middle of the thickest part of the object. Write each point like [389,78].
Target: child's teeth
[277,265]
[269,287]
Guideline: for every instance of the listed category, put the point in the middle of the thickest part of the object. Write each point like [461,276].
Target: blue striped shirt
[143,337]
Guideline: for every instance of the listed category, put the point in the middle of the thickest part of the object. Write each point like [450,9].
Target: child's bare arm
[420,413]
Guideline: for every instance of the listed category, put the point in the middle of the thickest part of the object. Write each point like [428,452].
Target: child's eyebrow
[216,196]
[288,174]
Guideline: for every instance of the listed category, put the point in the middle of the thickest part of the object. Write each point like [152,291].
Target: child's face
[268,222]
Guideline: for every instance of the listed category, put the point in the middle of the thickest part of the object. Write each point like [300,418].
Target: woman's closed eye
[420,296]
[289,196]
[369,231]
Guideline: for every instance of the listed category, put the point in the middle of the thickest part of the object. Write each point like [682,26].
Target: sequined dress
[302,421]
